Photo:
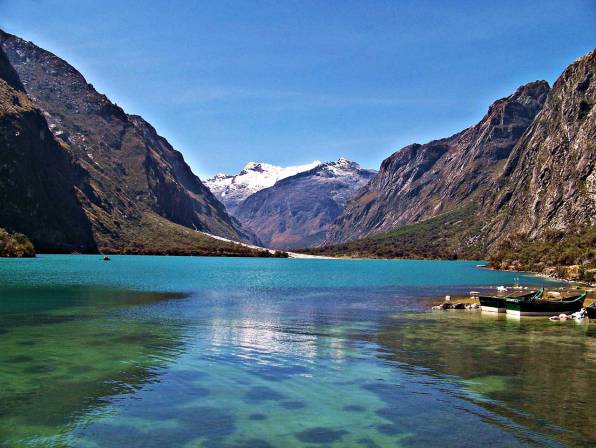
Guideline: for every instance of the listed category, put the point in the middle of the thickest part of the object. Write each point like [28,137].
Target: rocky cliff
[131,184]
[296,211]
[548,183]
[518,188]
[38,181]
[419,182]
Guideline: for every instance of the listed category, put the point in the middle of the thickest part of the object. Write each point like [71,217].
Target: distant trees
[15,245]
[570,254]
[448,237]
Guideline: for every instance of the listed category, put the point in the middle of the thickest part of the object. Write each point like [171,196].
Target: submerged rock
[581,314]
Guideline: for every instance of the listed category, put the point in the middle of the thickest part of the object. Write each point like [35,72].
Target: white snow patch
[233,189]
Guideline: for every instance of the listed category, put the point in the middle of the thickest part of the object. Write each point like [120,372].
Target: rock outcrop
[548,183]
[15,245]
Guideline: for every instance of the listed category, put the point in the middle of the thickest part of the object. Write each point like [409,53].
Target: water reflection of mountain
[537,374]
[61,364]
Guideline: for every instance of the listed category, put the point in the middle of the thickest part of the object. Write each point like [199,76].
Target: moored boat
[534,307]
[495,304]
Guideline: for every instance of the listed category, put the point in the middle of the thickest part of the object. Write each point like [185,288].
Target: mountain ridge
[550,178]
[296,210]
[421,181]
[133,190]
[534,208]
[232,190]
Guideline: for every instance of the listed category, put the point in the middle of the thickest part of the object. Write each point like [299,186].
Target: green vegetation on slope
[458,234]
[15,245]
[157,236]
[570,254]
[448,236]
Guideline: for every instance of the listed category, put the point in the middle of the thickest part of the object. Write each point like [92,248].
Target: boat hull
[544,307]
[492,304]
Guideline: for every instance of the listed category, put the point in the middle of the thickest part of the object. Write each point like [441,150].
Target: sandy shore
[271,251]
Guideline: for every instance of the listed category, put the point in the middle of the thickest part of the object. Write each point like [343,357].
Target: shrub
[15,245]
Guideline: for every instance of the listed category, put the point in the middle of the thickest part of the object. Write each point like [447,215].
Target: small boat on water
[536,307]
[495,304]
[106,258]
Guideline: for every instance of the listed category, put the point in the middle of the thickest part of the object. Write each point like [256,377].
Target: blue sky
[288,82]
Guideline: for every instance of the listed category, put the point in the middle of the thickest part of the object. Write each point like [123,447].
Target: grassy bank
[569,255]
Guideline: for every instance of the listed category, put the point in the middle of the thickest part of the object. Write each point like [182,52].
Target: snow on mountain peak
[341,167]
[255,176]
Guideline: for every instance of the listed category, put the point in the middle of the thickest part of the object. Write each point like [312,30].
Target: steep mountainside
[533,207]
[37,178]
[296,211]
[549,181]
[127,175]
[232,190]
[422,181]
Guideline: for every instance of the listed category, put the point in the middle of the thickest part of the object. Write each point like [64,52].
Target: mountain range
[522,176]
[231,190]
[296,211]
[79,174]
[421,181]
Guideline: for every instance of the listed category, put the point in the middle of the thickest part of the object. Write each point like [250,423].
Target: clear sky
[287,82]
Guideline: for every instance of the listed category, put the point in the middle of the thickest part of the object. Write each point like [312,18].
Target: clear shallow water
[176,351]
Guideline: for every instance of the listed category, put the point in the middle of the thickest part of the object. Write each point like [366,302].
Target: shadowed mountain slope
[38,193]
[125,174]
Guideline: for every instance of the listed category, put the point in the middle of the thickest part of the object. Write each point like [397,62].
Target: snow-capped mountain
[233,189]
[296,211]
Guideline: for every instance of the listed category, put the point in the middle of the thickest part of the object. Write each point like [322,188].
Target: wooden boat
[494,304]
[591,310]
[534,307]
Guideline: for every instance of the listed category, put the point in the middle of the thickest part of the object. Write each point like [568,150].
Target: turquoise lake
[238,352]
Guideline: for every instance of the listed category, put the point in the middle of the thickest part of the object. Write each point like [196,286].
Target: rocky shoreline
[550,273]
[461,302]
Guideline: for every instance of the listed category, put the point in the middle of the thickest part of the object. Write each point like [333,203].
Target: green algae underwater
[229,352]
